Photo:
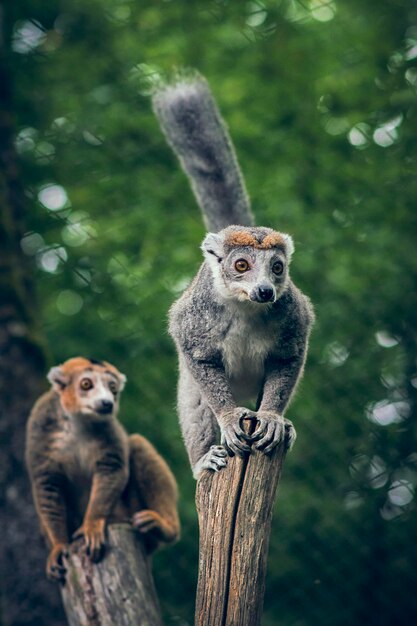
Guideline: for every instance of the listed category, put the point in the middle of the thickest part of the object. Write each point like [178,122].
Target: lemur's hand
[93,532]
[272,428]
[55,569]
[232,434]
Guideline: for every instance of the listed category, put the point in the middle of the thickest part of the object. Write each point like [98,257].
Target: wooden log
[234,509]
[117,591]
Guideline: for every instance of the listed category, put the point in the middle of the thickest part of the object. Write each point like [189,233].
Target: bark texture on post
[235,510]
[117,591]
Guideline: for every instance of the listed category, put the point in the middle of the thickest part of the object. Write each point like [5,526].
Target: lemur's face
[255,275]
[256,271]
[87,388]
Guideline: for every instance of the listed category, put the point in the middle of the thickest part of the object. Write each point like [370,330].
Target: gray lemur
[242,327]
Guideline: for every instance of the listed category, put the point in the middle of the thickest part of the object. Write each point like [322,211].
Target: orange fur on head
[78,363]
[243,238]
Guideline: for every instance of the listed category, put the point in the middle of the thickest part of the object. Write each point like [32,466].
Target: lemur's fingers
[56,573]
[290,434]
[146,520]
[93,532]
[216,467]
[272,437]
[233,442]
[96,546]
[218,451]
[145,527]
[260,430]
[272,445]
[216,458]
[55,569]
[267,437]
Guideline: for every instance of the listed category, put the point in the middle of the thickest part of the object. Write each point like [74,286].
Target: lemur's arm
[194,128]
[48,494]
[209,372]
[50,503]
[109,480]
[281,377]
[283,370]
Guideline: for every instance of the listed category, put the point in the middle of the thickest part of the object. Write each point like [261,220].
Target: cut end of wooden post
[117,590]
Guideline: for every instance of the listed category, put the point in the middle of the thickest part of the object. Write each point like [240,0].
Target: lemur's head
[87,388]
[249,263]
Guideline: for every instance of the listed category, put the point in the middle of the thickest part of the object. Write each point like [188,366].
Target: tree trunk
[118,591]
[235,510]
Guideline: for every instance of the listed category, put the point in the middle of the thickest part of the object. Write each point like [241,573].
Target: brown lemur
[242,327]
[86,472]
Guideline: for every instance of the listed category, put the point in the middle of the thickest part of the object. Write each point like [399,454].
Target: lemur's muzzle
[104,407]
[263,293]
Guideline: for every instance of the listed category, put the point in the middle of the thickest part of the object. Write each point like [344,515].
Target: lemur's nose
[266,294]
[104,407]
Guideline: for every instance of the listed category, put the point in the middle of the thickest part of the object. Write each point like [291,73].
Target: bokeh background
[100,232]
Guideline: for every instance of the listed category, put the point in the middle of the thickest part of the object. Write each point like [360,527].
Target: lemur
[242,327]
[85,470]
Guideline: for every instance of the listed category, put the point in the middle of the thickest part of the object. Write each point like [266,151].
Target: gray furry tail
[196,132]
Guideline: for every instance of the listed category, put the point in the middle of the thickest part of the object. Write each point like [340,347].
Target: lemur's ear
[122,381]
[212,246]
[58,379]
[289,245]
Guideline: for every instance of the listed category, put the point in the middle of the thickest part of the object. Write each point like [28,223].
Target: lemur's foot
[147,520]
[55,569]
[93,532]
[270,431]
[215,459]
[233,436]
[290,434]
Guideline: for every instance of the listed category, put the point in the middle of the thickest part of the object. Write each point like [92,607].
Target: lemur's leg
[199,427]
[157,488]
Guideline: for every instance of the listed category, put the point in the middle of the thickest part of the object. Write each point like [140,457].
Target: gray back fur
[196,132]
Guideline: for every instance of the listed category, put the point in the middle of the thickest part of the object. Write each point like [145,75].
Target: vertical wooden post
[235,510]
[117,591]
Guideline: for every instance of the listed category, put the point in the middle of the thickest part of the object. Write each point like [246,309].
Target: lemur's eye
[278,267]
[241,265]
[86,384]
[113,387]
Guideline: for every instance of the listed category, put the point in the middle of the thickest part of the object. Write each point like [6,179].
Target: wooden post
[235,509]
[117,591]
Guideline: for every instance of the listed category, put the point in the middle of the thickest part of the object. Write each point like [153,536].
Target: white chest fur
[245,349]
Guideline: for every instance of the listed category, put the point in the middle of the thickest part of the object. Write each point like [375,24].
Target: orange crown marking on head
[242,238]
[79,363]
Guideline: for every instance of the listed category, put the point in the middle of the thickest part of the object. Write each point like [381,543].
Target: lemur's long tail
[196,132]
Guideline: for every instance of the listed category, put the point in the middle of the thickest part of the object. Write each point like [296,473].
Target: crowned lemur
[242,327]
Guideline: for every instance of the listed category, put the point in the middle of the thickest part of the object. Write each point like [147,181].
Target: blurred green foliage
[320,97]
